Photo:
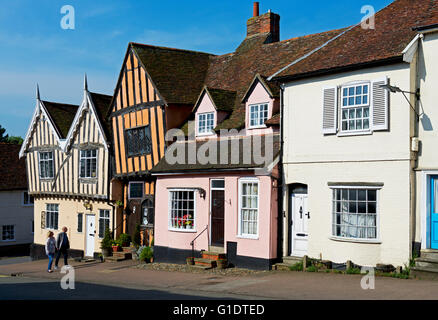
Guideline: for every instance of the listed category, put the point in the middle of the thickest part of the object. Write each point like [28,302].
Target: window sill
[88,180]
[352,240]
[258,127]
[183,230]
[248,237]
[354,133]
[202,135]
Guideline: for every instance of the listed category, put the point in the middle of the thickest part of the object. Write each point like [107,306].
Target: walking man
[62,244]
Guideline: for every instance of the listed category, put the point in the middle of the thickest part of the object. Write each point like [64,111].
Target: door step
[119,256]
[290,261]
[212,260]
[216,249]
[424,273]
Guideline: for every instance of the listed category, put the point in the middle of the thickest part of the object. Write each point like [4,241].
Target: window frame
[169,218]
[13,233]
[239,213]
[258,126]
[46,160]
[362,106]
[88,158]
[198,121]
[29,204]
[104,218]
[136,153]
[142,188]
[51,220]
[376,240]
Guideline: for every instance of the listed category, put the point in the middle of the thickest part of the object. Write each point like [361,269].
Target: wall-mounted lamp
[88,205]
[202,192]
[394,89]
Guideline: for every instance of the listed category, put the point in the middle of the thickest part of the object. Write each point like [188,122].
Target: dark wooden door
[217,217]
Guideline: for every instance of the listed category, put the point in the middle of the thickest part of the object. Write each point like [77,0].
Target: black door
[217,217]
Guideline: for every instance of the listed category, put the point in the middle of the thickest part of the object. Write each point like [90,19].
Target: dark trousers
[64,252]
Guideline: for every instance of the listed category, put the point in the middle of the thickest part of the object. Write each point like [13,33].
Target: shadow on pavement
[85,291]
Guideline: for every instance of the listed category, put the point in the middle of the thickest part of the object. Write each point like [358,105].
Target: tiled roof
[12,169]
[222,99]
[62,116]
[178,74]
[357,47]
[164,167]
[274,121]
[102,103]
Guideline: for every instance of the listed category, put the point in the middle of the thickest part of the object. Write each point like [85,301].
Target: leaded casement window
[80,222]
[147,217]
[205,123]
[88,164]
[52,214]
[355,107]
[138,141]
[258,115]
[104,222]
[8,233]
[136,190]
[248,207]
[355,213]
[182,210]
[46,165]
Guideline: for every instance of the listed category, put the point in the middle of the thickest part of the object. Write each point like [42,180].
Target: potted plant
[124,240]
[106,244]
[147,255]
[115,246]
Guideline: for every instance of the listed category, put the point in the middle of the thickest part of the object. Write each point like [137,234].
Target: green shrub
[297,267]
[146,254]
[107,240]
[312,269]
[137,236]
[353,271]
[124,240]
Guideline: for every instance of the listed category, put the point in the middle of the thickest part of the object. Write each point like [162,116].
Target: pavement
[96,280]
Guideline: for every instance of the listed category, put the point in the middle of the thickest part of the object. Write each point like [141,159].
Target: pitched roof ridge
[170,48]
[310,35]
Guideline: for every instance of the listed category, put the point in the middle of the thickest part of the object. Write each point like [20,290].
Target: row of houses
[321,145]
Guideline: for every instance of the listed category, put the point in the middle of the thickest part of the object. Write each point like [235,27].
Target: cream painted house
[67,158]
[358,162]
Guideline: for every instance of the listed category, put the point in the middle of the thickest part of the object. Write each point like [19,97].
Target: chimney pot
[256,9]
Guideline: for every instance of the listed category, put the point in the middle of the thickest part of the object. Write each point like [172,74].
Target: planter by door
[217,217]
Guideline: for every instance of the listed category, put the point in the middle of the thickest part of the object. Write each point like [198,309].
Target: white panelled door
[91,234]
[300,219]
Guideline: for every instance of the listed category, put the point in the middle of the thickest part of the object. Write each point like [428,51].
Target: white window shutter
[330,110]
[380,105]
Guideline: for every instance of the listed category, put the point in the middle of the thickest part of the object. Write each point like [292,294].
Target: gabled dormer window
[205,123]
[355,107]
[258,115]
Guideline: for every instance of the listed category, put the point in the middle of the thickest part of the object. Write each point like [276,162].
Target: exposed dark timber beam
[137,108]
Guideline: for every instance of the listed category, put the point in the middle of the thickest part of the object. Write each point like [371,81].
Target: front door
[91,233]
[434,213]
[217,214]
[300,218]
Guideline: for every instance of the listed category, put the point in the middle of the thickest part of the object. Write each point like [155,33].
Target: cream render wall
[379,157]
[68,210]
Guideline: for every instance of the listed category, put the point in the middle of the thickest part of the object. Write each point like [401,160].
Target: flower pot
[116,248]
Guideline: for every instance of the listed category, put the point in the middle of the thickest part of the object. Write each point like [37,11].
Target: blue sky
[35,49]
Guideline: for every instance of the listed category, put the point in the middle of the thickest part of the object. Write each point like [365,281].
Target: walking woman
[50,249]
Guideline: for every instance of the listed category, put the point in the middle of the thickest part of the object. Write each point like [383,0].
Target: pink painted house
[212,190]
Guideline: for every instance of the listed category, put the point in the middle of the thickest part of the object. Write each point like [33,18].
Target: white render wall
[13,212]
[427,131]
[381,157]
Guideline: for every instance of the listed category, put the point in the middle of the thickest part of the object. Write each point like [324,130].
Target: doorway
[91,234]
[299,217]
[217,207]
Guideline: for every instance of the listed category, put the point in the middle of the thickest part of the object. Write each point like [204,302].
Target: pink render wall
[264,247]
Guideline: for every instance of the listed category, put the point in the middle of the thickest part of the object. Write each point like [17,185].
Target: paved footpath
[186,285]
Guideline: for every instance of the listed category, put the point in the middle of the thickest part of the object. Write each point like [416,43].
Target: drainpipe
[281,182]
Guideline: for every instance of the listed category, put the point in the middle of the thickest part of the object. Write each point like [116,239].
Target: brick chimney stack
[266,23]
